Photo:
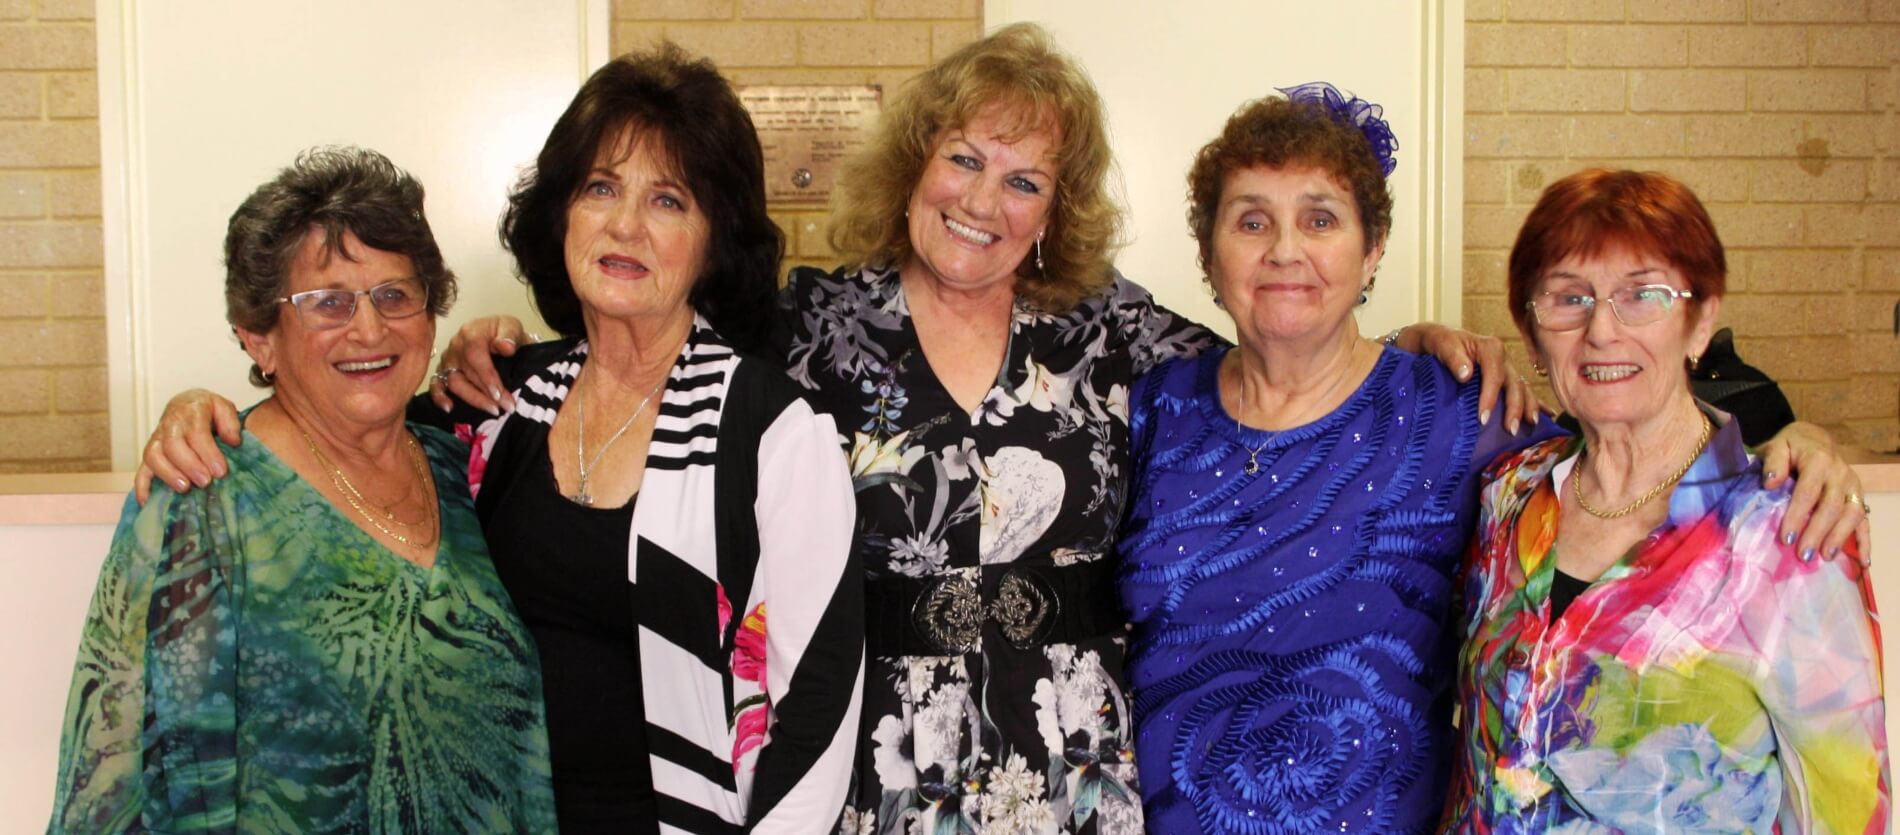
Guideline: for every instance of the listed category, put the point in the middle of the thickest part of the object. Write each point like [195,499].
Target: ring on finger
[443,375]
[1855,500]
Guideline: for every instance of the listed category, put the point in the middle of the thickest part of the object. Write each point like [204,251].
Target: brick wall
[1781,114]
[52,299]
[805,42]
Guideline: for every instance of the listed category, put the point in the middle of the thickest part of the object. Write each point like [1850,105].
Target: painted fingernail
[1833,553]
[494,394]
[217,470]
[1464,372]
[506,339]
[1807,555]
[1787,539]
[1768,475]
[1484,418]
[444,407]
[182,485]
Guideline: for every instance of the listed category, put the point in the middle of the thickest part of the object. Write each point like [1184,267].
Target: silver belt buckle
[951,611]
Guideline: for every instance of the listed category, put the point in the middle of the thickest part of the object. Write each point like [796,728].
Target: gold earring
[1695,360]
[1539,369]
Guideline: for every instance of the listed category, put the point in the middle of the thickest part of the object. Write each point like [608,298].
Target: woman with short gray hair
[320,642]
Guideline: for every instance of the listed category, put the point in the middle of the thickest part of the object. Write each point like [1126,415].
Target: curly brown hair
[1018,68]
[1279,133]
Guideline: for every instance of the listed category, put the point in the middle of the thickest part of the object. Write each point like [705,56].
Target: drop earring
[1039,267]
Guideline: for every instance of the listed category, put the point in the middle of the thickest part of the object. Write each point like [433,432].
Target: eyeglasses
[322,310]
[1643,304]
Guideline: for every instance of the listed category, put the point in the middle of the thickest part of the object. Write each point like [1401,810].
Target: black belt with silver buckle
[1031,606]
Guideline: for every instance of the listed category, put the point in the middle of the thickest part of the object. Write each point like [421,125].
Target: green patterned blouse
[255,662]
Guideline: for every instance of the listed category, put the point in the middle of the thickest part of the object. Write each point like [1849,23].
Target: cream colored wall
[1171,80]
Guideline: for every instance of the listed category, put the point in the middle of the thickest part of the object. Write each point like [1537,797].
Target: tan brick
[1765,315]
[1689,11]
[1513,45]
[1781,181]
[946,38]
[72,95]
[632,37]
[1848,226]
[1878,436]
[861,44]
[26,390]
[1874,353]
[1883,272]
[46,46]
[78,295]
[1861,45]
[1493,227]
[1883,182]
[26,438]
[1873,396]
[1515,136]
[1884,11]
[1712,180]
[20,96]
[672,10]
[50,245]
[1528,179]
[49,144]
[65,10]
[1802,271]
[74,193]
[78,390]
[1757,226]
[802,9]
[22,195]
[1807,11]
[1485,181]
[1688,90]
[740,44]
[1870,312]
[1566,10]
[1883,93]
[22,297]
[927,9]
[39,344]
[1748,46]
[1484,10]
[1490,315]
[1652,136]
[1807,90]
[1782,136]
[888,79]
[1628,46]
[16,9]
[1794,359]
[1485,274]
[1825,403]
[1565,91]
[1831,313]
[1484,91]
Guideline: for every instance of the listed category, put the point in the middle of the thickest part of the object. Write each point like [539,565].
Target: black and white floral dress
[998,736]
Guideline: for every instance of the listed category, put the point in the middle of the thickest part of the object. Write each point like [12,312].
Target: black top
[1563,591]
[566,568]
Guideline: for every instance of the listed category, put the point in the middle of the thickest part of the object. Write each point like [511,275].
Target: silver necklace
[1253,453]
[581,496]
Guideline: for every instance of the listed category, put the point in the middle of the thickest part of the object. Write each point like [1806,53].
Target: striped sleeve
[810,581]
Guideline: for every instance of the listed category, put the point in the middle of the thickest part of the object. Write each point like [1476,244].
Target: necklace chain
[382,519]
[1646,498]
[581,496]
[1253,453]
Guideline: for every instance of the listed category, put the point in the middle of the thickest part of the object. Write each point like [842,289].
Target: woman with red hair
[1643,652]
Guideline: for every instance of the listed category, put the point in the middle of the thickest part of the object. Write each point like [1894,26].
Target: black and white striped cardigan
[751,715]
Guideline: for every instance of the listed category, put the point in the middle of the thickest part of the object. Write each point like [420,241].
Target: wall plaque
[806,131]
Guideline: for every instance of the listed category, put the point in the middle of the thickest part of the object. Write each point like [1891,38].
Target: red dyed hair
[1592,212]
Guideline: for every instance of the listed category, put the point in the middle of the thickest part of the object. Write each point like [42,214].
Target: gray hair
[335,189]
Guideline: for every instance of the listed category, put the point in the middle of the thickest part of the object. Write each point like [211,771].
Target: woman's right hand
[182,452]
[468,371]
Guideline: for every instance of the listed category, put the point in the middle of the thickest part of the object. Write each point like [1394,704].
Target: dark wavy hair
[684,105]
[334,189]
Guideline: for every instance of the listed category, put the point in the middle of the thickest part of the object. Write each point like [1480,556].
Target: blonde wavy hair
[1018,68]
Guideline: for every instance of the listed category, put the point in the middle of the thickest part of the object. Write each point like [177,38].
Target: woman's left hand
[1460,350]
[1826,510]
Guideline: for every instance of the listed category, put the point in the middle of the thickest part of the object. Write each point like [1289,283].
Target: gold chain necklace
[1646,498]
[357,500]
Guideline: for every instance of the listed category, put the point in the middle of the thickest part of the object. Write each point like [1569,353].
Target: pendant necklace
[581,496]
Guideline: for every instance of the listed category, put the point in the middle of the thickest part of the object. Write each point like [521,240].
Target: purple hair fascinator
[1355,111]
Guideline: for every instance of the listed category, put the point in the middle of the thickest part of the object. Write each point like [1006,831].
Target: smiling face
[636,238]
[1607,372]
[352,378]
[1289,258]
[981,203]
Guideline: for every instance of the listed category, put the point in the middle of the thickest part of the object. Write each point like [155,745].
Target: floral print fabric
[1710,681]
[1000,740]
